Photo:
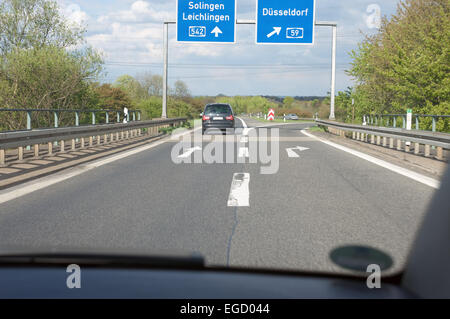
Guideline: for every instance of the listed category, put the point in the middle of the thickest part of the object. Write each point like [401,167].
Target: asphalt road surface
[320,198]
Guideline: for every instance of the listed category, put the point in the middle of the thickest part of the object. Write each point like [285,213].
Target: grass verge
[188,125]
[316,129]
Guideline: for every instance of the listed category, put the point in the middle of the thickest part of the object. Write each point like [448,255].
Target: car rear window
[218,109]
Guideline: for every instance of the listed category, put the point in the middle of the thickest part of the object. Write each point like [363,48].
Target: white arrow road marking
[239,192]
[291,152]
[216,31]
[276,30]
[243,152]
[189,152]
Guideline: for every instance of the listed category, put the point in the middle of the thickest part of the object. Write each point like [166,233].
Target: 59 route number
[294,33]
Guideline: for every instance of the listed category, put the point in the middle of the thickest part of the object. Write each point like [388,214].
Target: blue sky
[129,34]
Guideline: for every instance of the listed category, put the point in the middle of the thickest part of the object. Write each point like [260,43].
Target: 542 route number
[197,32]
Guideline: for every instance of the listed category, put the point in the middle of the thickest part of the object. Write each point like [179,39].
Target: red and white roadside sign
[271,115]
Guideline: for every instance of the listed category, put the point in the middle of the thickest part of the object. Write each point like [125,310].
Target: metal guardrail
[379,119]
[381,135]
[135,115]
[109,132]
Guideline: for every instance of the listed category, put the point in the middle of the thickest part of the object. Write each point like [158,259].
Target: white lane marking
[291,152]
[397,169]
[243,152]
[244,125]
[189,152]
[239,192]
[27,188]
[247,130]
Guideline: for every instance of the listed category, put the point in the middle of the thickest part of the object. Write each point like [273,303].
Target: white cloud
[74,13]
[141,12]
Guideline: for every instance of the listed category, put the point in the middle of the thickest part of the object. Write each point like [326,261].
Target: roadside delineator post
[2,157]
[20,156]
[427,150]
[439,153]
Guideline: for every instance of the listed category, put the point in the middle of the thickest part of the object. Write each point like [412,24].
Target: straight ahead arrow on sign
[217,31]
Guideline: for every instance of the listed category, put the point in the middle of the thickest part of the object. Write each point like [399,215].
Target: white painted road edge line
[40,183]
[397,169]
[246,129]
[239,192]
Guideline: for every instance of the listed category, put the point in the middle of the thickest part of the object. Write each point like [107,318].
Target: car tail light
[229,118]
[206,118]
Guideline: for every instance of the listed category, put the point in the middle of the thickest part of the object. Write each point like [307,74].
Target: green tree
[181,90]
[151,107]
[406,65]
[26,24]
[344,107]
[46,78]
[131,86]
[288,101]
[39,67]
[112,98]
[151,84]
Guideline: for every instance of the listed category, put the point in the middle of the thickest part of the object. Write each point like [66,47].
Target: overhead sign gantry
[278,22]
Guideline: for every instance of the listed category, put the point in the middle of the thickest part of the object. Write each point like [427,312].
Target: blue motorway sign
[206,21]
[285,21]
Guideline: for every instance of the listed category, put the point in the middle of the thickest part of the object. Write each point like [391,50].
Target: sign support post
[166,69]
[333,73]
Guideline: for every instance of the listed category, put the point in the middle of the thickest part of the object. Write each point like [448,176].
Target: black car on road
[218,116]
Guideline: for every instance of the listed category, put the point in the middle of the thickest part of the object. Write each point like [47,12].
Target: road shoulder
[426,166]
